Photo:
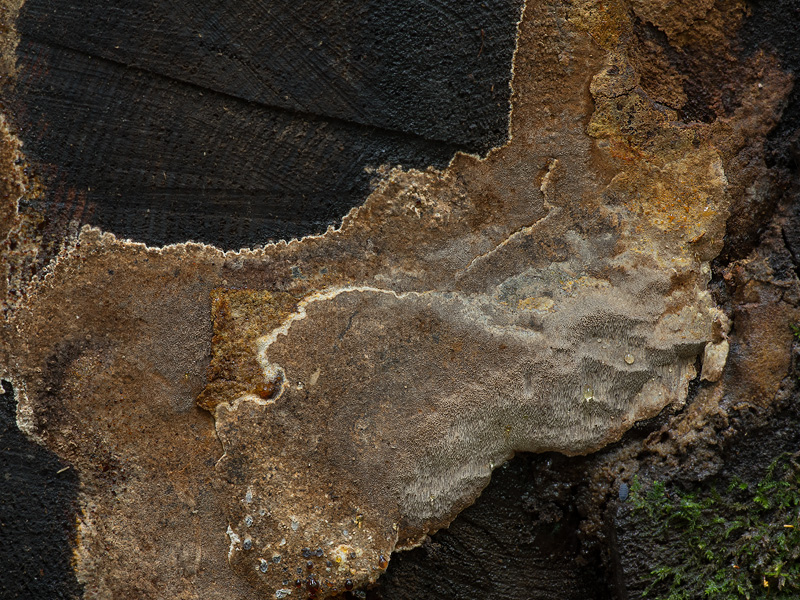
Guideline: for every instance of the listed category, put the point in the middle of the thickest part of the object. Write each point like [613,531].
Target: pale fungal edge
[24,415]
[272,370]
[235,539]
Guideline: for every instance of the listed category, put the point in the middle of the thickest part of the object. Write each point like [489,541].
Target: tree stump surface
[239,124]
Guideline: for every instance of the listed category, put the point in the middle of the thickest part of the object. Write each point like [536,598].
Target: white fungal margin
[235,541]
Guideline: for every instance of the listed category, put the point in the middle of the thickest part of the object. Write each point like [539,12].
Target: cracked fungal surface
[364,383]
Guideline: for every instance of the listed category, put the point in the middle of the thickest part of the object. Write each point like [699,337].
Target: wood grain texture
[38,503]
[237,123]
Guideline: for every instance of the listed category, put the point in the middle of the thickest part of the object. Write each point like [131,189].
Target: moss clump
[741,543]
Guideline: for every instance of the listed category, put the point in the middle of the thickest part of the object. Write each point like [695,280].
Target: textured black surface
[236,123]
[37,511]
[773,26]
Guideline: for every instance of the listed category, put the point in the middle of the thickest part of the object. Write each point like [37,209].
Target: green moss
[743,542]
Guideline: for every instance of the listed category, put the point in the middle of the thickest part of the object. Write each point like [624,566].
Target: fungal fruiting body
[404,383]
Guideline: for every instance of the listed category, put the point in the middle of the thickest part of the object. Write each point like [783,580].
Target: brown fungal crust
[365,383]
[405,386]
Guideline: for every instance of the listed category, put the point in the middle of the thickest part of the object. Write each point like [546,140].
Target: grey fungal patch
[459,380]
[623,492]
[247,544]
[263,565]
[400,393]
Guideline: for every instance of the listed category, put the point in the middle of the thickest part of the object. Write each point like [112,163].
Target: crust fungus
[542,299]
[364,383]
